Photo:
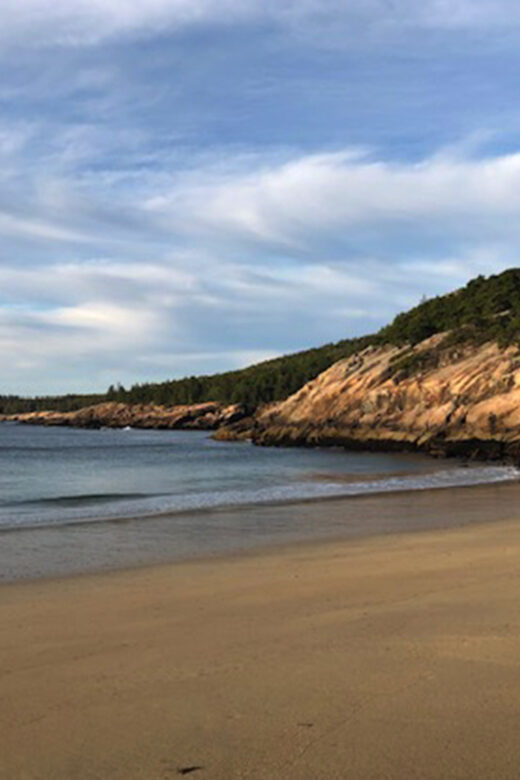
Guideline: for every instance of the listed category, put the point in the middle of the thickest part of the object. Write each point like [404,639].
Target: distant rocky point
[206,416]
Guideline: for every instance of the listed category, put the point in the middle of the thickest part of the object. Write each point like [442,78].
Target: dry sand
[388,657]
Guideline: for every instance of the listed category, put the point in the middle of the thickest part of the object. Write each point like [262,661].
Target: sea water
[63,475]
[120,488]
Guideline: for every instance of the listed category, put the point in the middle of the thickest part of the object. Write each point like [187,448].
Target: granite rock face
[446,400]
[206,416]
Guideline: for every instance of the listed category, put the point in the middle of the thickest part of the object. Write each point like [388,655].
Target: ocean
[174,492]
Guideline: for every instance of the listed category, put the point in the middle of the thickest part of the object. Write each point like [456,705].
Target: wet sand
[392,656]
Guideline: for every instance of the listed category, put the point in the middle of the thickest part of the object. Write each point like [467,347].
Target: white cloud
[85,22]
[272,255]
[328,194]
[101,319]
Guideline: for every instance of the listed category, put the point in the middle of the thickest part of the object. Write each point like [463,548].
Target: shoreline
[55,552]
[395,656]
[477,449]
[285,502]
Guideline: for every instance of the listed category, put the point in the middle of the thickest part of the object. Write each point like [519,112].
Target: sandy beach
[393,656]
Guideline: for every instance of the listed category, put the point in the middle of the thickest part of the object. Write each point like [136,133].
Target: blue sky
[188,186]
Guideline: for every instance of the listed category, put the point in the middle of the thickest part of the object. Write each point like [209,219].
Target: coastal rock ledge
[205,416]
[436,397]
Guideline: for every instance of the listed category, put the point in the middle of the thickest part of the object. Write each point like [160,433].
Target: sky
[189,186]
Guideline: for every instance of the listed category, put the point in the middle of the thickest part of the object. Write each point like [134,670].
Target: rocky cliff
[437,397]
[207,416]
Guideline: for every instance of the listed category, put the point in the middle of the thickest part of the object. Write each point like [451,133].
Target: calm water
[74,499]
[59,475]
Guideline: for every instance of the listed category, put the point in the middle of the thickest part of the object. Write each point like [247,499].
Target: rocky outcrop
[438,396]
[206,416]
[446,400]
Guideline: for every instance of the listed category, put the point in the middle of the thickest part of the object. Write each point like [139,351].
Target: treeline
[264,382]
[486,309]
[14,404]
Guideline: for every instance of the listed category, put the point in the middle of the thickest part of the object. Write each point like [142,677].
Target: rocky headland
[461,400]
[434,397]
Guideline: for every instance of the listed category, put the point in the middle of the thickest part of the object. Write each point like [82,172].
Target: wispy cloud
[82,22]
[331,243]
[331,196]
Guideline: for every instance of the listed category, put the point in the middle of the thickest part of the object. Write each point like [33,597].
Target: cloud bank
[331,243]
[188,187]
